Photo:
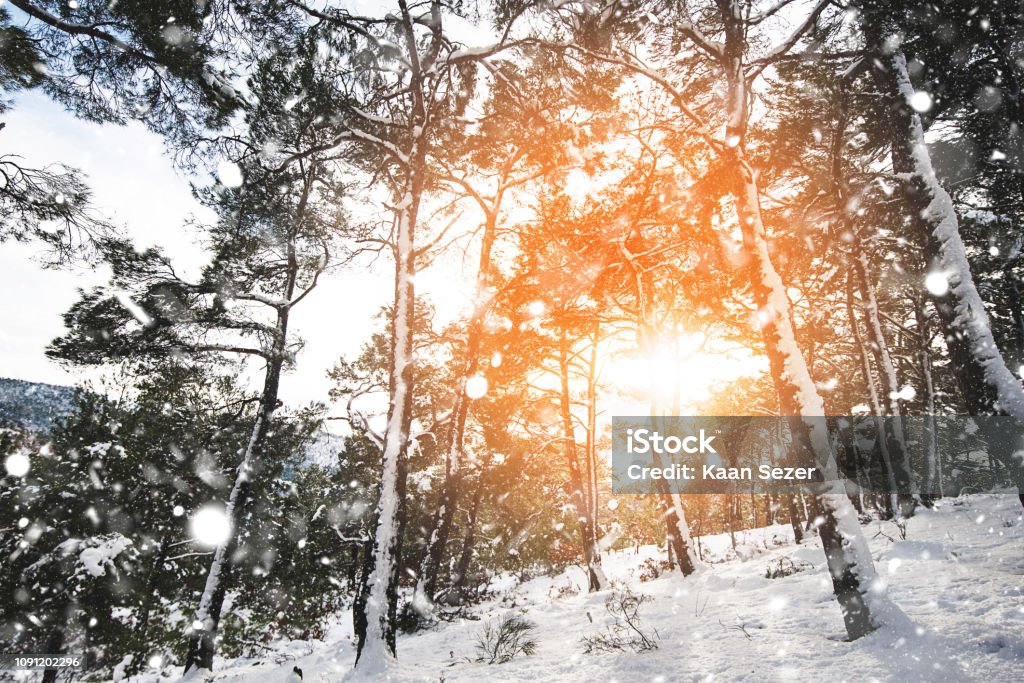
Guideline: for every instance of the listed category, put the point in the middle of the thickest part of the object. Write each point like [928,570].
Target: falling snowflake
[229,174]
[210,526]
[921,101]
[937,284]
[17,464]
[476,386]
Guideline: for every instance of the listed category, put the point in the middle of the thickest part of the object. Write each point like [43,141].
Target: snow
[132,307]
[937,284]
[476,387]
[921,101]
[957,581]
[210,526]
[229,174]
[17,464]
[971,317]
[376,658]
[95,555]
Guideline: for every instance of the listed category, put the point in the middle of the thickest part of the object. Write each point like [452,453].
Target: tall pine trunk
[849,561]
[202,640]
[891,432]
[469,541]
[377,600]
[892,506]
[932,463]
[203,635]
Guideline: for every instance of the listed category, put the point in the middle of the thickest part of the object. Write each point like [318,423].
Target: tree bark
[441,526]
[882,442]
[591,552]
[849,561]
[932,461]
[468,543]
[203,630]
[375,618]
[891,434]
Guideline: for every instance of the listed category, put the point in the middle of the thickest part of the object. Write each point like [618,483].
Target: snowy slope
[33,406]
[959,576]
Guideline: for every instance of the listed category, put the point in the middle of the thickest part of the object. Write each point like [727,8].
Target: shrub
[503,639]
[785,566]
[651,569]
[625,633]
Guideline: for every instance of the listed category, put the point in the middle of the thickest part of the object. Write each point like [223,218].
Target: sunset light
[520,341]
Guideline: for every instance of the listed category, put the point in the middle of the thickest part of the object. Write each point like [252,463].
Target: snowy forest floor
[958,576]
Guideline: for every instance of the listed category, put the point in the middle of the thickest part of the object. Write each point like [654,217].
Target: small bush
[785,566]
[503,639]
[625,633]
[410,620]
[651,569]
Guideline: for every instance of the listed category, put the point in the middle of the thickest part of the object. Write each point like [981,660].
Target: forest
[805,215]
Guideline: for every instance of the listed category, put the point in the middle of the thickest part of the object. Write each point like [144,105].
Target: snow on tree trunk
[987,385]
[375,616]
[932,466]
[590,449]
[849,561]
[892,431]
[676,527]
[203,629]
[873,401]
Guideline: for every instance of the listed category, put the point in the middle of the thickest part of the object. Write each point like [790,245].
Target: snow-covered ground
[958,576]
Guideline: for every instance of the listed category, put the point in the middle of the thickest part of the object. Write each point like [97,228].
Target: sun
[675,374]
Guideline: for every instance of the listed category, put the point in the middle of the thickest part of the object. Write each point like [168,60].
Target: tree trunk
[202,639]
[54,646]
[375,618]
[893,434]
[893,507]
[849,561]
[591,552]
[466,557]
[932,463]
[202,642]
[441,526]
[590,452]
[986,383]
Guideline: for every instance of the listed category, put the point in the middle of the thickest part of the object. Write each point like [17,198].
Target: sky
[135,184]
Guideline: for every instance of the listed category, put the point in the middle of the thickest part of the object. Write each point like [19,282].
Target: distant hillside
[33,405]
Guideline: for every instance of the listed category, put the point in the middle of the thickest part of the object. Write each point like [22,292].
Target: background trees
[610,187]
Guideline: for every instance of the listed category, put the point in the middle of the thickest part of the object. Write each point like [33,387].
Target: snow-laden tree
[402,81]
[986,383]
[105,62]
[278,220]
[732,44]
[124,468]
